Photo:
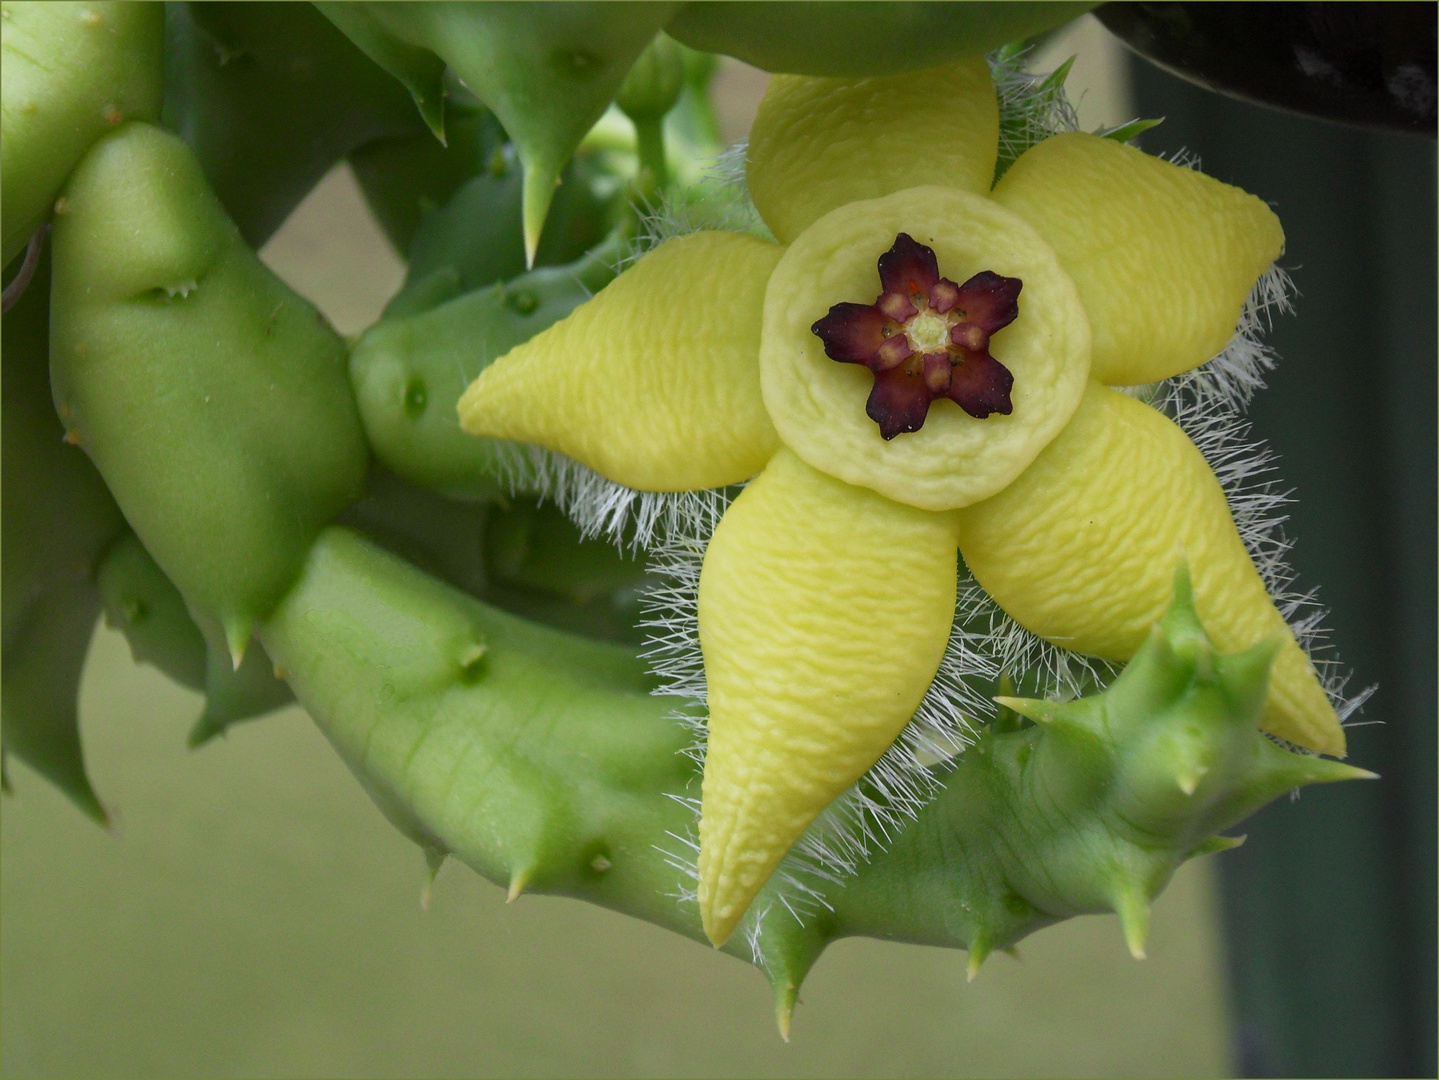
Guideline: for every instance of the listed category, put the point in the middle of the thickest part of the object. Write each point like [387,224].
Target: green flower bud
[653,85]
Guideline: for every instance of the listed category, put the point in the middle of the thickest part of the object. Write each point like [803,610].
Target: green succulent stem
[650,141]
[542,761]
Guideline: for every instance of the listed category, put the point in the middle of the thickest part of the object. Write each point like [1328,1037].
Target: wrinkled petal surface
[817,144]
[818,405]
[1163,256]
[1082,548]
[824,610]
[654,383]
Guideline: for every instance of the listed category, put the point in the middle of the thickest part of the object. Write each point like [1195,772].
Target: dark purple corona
[925,338]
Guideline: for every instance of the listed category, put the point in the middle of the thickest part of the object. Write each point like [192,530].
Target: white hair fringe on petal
[1208,405]
[985,644]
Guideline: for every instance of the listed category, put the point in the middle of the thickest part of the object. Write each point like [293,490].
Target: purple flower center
[925,338]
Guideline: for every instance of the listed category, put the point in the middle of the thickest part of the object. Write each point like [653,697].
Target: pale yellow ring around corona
[817,404]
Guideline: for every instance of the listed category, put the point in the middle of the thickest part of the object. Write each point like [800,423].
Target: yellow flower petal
[1082,548]
[654,383]
[1163,256]
[824,610]
[818,405]
[820,143]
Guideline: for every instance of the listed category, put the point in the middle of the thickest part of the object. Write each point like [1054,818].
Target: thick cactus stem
[254,443]
[556,771]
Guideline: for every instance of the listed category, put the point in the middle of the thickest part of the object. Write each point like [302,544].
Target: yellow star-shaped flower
[828,589]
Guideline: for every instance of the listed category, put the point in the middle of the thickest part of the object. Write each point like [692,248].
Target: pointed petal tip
[726,893]
[717,934]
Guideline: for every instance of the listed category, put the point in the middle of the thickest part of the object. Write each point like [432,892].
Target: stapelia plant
[183,431]
[989,426]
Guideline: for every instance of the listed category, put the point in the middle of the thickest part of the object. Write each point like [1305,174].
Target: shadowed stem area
[541,760]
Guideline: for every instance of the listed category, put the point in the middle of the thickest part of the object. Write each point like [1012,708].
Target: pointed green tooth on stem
[471,656]
[1320,770]
[1285,770]
[1216,844]
[541,180]
[237,638]
[434,859]
[1041,712]
[39,684]
[1188,778]
[786,994]
[418,69]
[1245,675]
[519,881]
[204,729]
[547,71]
[1183,604]
[978,953]
[1132,907]
[1190,756]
